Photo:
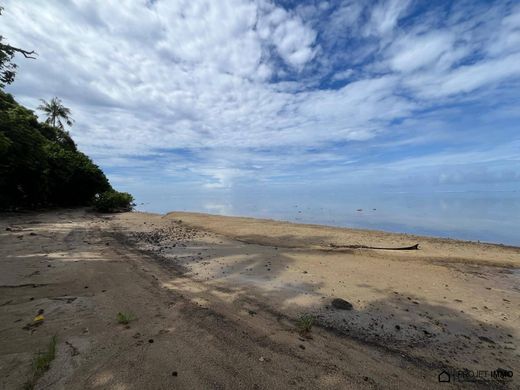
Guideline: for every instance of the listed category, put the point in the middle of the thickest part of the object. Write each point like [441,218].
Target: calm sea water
[485,216]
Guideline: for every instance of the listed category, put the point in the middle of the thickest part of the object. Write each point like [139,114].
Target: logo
[465,375]
[444,376]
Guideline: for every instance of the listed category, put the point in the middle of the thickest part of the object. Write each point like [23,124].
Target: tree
[40,164]
[7,67]
[55,112]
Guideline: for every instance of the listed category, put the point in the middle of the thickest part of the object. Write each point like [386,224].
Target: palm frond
[55,111]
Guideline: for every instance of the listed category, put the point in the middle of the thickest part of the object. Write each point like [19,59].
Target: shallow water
[484,216]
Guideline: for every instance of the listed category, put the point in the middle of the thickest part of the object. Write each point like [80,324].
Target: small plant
[124,318]
[113,202]
[304,323]
[41,363]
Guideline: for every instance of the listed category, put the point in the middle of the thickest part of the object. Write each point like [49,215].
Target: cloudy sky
[218,94]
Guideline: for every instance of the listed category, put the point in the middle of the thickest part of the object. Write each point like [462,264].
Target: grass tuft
[124,318]
[41,363]
[304,323]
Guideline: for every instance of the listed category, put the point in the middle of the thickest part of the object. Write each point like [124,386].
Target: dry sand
[215,301]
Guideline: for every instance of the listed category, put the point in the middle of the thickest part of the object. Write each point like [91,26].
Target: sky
[220,95]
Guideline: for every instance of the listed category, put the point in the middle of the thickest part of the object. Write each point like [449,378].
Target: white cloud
[465,78]
[292,38]
[244,75]
[385,15]
[414,52]
[343,75]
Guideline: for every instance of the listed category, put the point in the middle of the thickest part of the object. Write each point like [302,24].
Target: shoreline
[412,236]
[225,294]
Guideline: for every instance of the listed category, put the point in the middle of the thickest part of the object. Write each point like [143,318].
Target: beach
[215,302]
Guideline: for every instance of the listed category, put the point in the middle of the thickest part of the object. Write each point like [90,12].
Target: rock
[341,304]
[486,339]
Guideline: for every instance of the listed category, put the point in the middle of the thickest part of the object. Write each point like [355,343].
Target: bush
[113,202]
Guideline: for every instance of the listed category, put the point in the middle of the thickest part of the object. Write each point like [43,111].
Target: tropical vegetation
[55,111]
[40,164]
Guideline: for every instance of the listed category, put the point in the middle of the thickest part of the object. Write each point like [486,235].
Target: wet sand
[219,297]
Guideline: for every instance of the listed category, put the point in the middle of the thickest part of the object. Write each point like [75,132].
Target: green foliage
[304,323]
[113,201]
[7,66]
[55,112]
[41,363]
[124,318]
[40,164]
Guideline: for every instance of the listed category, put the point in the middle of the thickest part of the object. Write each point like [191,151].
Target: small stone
[174,373]
[486,339]
[341,304]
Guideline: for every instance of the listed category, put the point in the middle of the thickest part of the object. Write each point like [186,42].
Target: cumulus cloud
[170,84]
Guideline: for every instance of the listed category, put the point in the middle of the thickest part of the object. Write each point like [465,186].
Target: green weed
[41,363]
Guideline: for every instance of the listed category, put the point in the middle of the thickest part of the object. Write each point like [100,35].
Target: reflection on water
[484,216]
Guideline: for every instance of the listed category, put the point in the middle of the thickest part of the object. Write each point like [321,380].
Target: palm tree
[55,112]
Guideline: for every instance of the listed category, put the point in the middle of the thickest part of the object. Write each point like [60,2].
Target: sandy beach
[215,303]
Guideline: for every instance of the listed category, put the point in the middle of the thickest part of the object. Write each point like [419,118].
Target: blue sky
[217,95]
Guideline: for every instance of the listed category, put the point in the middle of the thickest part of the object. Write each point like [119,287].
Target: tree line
[40,164]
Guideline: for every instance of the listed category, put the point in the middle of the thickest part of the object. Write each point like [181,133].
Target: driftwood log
[402,248]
